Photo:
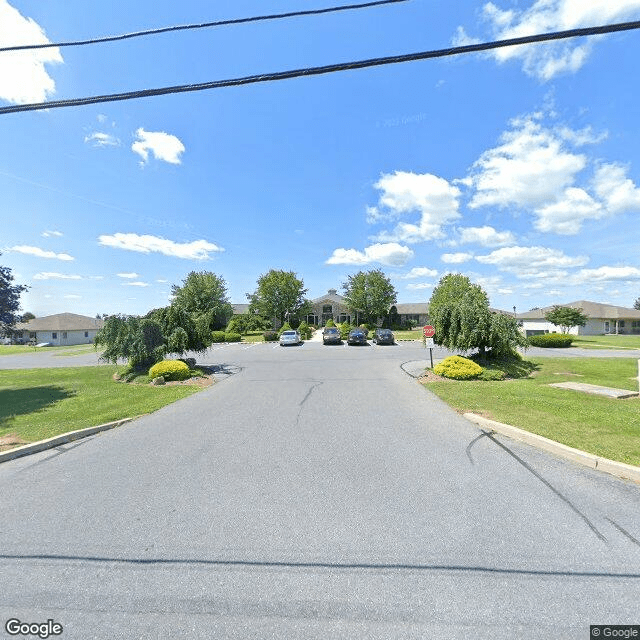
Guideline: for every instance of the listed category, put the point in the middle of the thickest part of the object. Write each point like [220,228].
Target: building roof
[241,308]
[331,295]
[590,309]
[412,307]
[61,322]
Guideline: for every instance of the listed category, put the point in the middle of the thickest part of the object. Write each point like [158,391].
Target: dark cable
[203,25]
[314,71]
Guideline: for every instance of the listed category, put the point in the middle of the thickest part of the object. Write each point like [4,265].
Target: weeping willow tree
[459,312]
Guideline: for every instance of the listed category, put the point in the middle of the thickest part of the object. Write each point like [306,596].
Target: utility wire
[332,68]
[202,25]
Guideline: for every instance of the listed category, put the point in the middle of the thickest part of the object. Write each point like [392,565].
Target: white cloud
[416,286]
[391,253]
[135,284]
[47,275]
[568,214]
[420,272]
[23,77]
[618,192]
[72,296]
[40,253]
[486,236]
[47,234]
[162,281]
[606,274]
[128,275]
[582,136]
[545,61]
[196,250]
[456,258]
[99,139]
[529,169]
[532,262]
[164,146]
[433,198]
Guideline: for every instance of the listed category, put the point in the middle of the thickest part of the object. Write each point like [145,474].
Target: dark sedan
[357,336]
[384,336]
[331,335]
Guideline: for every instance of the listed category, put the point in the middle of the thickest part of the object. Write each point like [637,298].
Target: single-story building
[58,329]
[603,319]
[409,312]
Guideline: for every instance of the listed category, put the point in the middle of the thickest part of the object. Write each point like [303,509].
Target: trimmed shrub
[305,331]
[232,337]
[345,327]
[270,336]
[237,324]
[330,323]
[285,327]
[458,368]
[217,336]
[551,340]
[170,370]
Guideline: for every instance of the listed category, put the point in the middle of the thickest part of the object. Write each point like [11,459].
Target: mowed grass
[71,350]
[607,342]
[41,403]
[602,426]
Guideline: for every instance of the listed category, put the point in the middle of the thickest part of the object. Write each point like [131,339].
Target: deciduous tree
[566,317]
[459,312]
[370,293]
[9,299]
[279,294]
[204,294]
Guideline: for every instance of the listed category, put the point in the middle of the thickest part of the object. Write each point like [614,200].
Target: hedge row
[554,340]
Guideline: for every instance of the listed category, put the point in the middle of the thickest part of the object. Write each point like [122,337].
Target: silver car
[290,337]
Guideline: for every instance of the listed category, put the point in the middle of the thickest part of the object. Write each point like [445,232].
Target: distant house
[410,312]
[58,329]
[603,319]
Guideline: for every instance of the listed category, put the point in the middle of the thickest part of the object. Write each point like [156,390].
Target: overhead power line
[202,25]
[332,68]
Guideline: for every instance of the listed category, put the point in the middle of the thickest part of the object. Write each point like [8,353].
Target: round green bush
[458,368]
[305,331]
[217,336]
[270,336]
[232,337]
[551,340]
[492,374]
[170,370]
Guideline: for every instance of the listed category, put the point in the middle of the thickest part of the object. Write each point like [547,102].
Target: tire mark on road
[528,467]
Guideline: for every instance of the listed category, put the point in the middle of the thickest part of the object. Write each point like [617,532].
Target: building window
[32,335]
[54,336]
[621,323]
[327,309]
[86,334]
[64,335]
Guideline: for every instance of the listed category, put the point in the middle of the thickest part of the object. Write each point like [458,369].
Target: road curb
[618,469]
[42,445]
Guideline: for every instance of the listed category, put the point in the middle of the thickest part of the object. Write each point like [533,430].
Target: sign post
[428,332]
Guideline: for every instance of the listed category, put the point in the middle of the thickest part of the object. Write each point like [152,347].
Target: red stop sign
[428,331]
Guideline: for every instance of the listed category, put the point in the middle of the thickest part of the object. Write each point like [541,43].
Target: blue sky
[520,169]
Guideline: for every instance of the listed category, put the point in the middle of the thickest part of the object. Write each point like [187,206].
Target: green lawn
[607,342]
[602,426]
[13,349]
[41,403]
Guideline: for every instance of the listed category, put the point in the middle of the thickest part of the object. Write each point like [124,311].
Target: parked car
[331,335]
[383,336]
[290,337]
[357,336]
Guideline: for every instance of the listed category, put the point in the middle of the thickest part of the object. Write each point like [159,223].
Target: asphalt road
[314,492]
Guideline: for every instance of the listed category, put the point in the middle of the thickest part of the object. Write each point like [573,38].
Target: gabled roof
[60,322]
[590,309]
[331,296]
[412,308]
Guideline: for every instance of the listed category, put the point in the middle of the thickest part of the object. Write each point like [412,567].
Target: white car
[290,337]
